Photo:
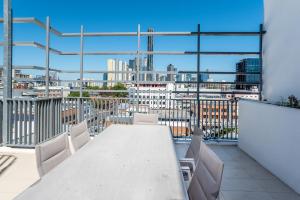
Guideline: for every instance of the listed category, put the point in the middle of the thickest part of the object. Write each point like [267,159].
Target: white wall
[281,72]
[271,135]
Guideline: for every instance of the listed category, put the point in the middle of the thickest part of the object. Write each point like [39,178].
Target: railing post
[36,123]
[7,66]
[47,52]
[198,76]
[81,60]
[51,118]
[81,75]
[261,33]
[138,65]
[1,124]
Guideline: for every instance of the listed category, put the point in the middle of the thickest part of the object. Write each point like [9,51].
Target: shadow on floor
[244,178]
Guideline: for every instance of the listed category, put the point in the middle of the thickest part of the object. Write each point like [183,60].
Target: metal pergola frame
[8,44]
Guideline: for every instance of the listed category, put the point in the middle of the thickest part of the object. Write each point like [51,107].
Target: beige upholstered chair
[52,153]
[80,135]
[206,180]
[194,148]
[193,152]
[145,119]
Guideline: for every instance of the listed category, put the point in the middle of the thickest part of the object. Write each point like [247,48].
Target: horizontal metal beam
[97,91]
[34,44]
[218,82]
[152,92]
[215,72]
[93,81]
[218,92]
[38,45]
[34,21]
[95,34]
[31,67]
[115,72]
[217,33]
[140,82]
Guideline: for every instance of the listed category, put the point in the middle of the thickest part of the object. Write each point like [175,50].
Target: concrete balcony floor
[20,175]
[244,178]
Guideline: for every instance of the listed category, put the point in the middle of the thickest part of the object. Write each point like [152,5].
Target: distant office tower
[111,75]
[117,72]
[150,56]
[131,64]
[171,76]
[105,78]
[162,78]
[205,76]
[132,67]
[143,76]
[138,66]
[119,69]
[244,66]
[125,69]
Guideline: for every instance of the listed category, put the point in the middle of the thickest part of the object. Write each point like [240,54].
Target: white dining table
[123,162]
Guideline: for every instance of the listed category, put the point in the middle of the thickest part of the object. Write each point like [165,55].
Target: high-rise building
[172,72]
[131,64]
[205,76]
[132,67]
[138,66]
[149,65]
[244,66]
[111,75]
[116,72]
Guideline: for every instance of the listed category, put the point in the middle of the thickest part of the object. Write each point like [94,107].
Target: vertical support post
[198,76]
[7,67]
[81,74]
[47,52]
[37,121]
[81,60]
[138,65]
[261,33]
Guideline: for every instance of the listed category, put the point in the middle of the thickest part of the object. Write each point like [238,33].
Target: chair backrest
[194,148]
[140,118]
[80,135]
[51,153]
[206,180]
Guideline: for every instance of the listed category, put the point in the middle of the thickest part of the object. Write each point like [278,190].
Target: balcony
[243,177]
[260,156]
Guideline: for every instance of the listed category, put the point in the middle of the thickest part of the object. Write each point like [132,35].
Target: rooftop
[243,177]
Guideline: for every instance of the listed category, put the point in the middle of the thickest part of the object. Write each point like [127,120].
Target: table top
[122,162]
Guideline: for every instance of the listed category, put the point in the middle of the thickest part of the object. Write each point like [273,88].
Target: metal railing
[218,118]
[37,120]
[32,121]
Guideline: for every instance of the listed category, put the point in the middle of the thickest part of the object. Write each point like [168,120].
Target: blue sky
[118,15]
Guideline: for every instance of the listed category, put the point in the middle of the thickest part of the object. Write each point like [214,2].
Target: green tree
[93,88]
[77,94]
[119,86]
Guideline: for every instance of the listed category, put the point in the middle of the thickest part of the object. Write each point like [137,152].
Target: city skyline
[222,16]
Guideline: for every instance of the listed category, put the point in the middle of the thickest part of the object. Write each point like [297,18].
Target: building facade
[247,81]
[149,77]
[171,76]
[117,71]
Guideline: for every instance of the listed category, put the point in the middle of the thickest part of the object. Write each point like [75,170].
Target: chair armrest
[188,162]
